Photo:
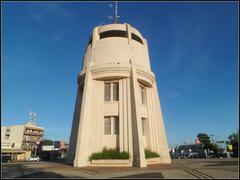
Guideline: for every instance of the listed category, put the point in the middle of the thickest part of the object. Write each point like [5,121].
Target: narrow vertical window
[115,91]
[143,94]
[107,125]
[116,125]
[144,126]
[111,91]
[107,91]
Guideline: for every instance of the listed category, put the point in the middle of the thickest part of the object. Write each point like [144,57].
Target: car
[222,155]
[190,155]
[212,155]
[36,158]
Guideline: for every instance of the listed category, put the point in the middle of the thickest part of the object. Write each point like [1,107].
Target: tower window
[119,33]
[115,124]
[143,126]
[113,33]
[111,125]
[115,91]
[136,38]
[111,91]
[107,91]
[143,94]
[107,125]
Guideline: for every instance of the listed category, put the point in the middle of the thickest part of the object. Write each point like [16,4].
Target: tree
[204,139]
[214,147]
[207,144]
[47,142]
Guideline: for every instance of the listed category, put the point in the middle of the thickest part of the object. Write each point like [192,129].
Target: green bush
[109,154]
[47,142]
[150,154]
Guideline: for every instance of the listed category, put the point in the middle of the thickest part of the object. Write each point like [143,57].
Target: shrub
[47,142]
[150,154]
[109,154]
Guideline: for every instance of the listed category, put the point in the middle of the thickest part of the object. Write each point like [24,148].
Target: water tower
[117,103]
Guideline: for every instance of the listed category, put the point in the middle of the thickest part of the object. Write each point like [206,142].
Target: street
[180,168]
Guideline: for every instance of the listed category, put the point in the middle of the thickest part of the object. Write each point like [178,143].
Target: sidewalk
[179,169]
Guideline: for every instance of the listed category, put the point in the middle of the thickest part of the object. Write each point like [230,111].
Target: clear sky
[193,49]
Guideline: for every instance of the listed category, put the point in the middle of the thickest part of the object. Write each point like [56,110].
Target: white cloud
[56,9]
[48,12]
[190,87]
[40,11]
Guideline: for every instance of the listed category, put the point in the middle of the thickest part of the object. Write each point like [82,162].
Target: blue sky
[193,49]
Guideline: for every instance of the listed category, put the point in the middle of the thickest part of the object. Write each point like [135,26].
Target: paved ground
[190,168]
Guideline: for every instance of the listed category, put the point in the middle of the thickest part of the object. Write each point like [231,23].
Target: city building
[63,147]
[117,103]
[48,152]
[21,141]
[188,151]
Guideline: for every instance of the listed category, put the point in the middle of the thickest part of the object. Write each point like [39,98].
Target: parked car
[190,155]
[213,155]
[222,155]
[36,158]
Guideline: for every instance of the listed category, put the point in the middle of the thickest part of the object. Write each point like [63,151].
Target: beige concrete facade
[15,154]
[23,137]
[12,136]
[117,53]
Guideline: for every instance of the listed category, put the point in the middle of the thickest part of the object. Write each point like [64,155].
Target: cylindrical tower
[117,103]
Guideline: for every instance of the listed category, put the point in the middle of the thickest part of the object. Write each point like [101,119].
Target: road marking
[196,173]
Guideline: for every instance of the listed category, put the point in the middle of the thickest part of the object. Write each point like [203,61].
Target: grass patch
[150,154]
[109,154]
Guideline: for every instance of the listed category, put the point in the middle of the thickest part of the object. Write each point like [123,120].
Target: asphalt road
[190,168]
[209,168]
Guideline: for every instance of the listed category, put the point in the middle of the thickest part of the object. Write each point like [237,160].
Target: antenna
[116,16]
[32,117]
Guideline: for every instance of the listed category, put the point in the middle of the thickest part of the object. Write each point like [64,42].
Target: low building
[63,146]
[14,154]
[188,151]
[21,141]
[49,152]
[48,148]
[32,136]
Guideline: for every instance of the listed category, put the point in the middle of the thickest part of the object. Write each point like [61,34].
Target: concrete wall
[16,136]
[117,49]
[4,142]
